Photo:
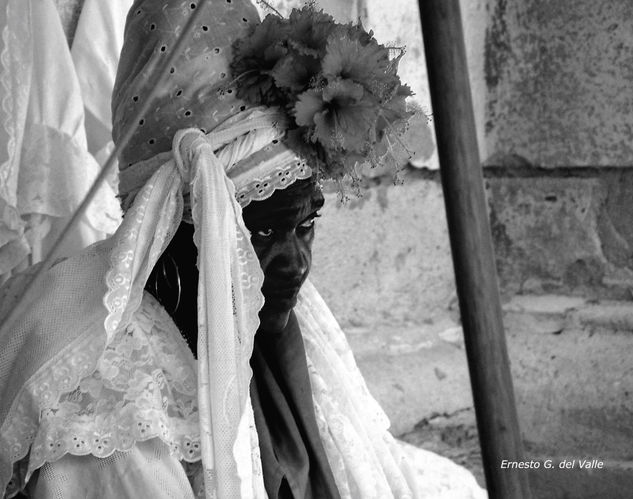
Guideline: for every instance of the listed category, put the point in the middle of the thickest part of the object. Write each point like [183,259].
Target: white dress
[138,414]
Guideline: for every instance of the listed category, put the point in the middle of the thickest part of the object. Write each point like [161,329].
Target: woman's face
[282,230]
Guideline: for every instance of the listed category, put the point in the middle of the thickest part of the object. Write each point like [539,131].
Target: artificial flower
[309,30]
[295,71]
[393,113]
[337,82]
[367,64]
[254,59]
[343,119]
[308,105]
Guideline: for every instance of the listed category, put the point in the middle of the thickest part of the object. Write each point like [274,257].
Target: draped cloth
[45,166]
[95,53]
[294,463]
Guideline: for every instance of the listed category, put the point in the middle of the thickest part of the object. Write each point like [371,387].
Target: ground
[572,378]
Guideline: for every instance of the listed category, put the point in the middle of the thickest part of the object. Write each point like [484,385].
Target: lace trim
[43,389]
[280,178]
[125,280]
[15,85]
[352,425]
[21,425]
[224,391]
[144,387]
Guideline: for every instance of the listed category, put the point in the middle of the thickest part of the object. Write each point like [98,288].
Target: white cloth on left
[45,167]
[95,52]
[146,471]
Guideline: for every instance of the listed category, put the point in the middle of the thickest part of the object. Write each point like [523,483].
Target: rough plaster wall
[564,232]
[384,258]
[559,81]
[546,232]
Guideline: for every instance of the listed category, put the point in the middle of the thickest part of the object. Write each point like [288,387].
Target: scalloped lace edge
[21,422]
[260,189]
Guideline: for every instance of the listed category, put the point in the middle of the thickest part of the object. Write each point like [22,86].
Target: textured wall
[564,232]
[558,76]
[384,258]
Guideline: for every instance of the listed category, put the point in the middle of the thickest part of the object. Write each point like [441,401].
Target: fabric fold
[45,166]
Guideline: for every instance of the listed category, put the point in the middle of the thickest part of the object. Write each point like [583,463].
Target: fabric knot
[184,147]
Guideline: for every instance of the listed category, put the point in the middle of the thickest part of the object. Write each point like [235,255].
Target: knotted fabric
[229,296]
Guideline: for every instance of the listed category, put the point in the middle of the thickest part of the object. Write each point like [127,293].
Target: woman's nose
[293,256]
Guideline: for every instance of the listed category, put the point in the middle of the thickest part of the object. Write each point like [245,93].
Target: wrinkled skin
[282,231]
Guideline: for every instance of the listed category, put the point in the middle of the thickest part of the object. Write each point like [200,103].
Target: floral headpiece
[336,82]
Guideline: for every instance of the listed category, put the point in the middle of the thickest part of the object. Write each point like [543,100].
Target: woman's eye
[308,224]
[264,232]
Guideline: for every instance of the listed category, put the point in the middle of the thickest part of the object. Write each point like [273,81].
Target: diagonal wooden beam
[471,245]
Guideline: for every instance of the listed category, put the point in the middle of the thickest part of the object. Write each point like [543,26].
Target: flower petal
[295,72]
[308,104]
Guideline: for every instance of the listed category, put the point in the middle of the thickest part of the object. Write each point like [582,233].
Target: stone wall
[563,231]
[558,79]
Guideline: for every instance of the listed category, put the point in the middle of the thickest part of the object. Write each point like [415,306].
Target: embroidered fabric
[271,169]
[15,80]
[229,299]
[258,162]
[144,387]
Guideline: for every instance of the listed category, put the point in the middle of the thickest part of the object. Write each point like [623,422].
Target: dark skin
[282,231]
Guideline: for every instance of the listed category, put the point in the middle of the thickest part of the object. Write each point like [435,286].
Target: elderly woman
[187,356]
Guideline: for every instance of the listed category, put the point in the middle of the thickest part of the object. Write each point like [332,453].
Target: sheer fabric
[45,167]
[147,471]
[293,458]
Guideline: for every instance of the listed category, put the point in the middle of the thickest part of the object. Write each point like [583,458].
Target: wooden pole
[471,244]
